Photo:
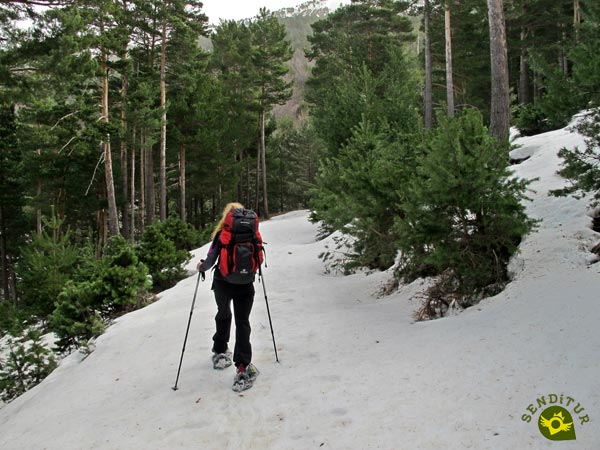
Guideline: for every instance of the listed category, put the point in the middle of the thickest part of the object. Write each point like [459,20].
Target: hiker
[236,248]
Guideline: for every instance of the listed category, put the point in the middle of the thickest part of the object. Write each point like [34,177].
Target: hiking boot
[221,360]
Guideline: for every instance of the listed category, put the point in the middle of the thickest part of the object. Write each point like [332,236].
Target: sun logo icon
[556,424]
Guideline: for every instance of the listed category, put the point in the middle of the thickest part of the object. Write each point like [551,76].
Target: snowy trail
[356,372]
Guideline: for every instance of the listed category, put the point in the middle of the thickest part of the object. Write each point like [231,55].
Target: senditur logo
[556,424]
[555,421]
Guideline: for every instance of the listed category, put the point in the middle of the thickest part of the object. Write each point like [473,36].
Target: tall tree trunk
[449,75]
[163,122]
[182,205]
[4,257]
[428,99]
[523,94]
[240,185]
[263,157]
[132,188]
[576,18]
[38,213]
[124,159]
[142,180]
[258,166]
[248,183]
[563,63]
[113,218]
[500,107]
[101,222]
[149,183]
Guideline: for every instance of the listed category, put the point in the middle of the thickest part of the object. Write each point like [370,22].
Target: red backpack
[241,247]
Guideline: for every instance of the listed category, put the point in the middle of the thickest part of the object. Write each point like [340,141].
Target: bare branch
[100,161]
[63,118]
[65,146]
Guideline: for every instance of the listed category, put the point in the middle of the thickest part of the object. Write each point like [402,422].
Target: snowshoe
[221,360]
[244,378]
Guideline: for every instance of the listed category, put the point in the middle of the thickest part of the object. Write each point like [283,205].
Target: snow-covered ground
[356,372]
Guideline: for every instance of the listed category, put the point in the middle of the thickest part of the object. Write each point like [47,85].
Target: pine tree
[364,105]
[448,53]
[582,165]
[428,94]
[363,34]
[25,363]
[99,289]
[11,199]
[45,267]
[234,115]
[463,216]
[163,259]
[270,53]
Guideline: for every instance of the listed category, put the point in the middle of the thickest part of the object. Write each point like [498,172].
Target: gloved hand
[202,273]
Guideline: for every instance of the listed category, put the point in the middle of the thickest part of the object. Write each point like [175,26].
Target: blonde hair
[228,207]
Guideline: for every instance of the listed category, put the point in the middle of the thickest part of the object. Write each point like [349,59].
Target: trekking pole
[187,331]
[268,312]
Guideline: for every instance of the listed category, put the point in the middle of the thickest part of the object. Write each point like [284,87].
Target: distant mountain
[298,21]
[318,8]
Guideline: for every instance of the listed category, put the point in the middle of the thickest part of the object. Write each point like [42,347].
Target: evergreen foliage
[470,54]
[545,30]
[116,283]
[26,363]
[13,319]
[364,106]
[183,235]
[292,152]
[271,50]
[46,266]
[349,46]
[76,318]
[377,179]
[13,223]
[361,192]
[582,166]
[163,259]
[464,215]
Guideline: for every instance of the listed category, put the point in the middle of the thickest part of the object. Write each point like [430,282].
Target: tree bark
[149,183]
[182,204]
[500,107]
[449,75]
[38,218]
[263,157]
[101,223]
[428,98]
[576,18]
[163,122]
[142,180]
[113,219]
[523,94]
[258,166]
[132,188]
[124,159]
[4,257]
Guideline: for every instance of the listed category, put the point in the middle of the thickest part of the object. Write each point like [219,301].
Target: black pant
[243,298]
